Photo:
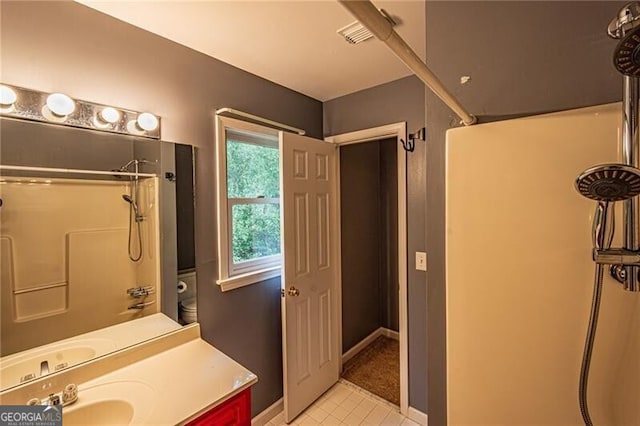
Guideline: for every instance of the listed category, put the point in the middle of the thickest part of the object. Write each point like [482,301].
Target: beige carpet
[377,369]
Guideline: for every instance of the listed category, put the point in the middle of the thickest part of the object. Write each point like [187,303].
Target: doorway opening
[373,261]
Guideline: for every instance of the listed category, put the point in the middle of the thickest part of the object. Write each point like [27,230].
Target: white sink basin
[111,403]
[14,368]
[101,413]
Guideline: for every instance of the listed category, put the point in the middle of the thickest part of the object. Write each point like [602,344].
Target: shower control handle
[138,292]
[619,273]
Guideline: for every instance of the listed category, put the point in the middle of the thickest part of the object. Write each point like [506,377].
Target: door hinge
[282,292]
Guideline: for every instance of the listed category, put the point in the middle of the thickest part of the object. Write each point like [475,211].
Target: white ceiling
[292,43]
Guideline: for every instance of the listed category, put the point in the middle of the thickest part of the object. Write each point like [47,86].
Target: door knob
[293,291]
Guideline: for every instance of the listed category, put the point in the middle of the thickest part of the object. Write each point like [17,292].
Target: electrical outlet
[421,261]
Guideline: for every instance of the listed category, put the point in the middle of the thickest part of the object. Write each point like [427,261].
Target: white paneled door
[310,270]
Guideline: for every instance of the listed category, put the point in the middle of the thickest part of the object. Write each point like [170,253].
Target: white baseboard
[361,345]
[390,333]
[269,413]
[367,341]
[418,416]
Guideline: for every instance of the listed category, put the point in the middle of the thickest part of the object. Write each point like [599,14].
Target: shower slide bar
[257,118]
[370,17]
[74,171]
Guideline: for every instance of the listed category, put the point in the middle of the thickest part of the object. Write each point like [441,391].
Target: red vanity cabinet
[235,411]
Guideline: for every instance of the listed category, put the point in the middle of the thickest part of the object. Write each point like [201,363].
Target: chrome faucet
[140,305]
[68,396]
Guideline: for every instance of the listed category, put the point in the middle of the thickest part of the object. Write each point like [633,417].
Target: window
[249,203]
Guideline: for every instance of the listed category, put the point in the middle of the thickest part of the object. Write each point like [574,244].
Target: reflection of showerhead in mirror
[133,210]
[136,163]
[134,205]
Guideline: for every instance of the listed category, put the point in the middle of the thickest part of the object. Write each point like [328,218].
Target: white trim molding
[228,277]
[399,131]
[367,135]
[391,334]
[268,413]
[242,280]
[418,416]
[358,347]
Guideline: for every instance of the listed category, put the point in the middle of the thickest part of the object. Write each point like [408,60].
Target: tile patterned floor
[347,404]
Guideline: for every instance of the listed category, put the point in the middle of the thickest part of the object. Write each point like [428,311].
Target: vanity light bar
[58,108]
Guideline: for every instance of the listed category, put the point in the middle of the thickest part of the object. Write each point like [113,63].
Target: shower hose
[588,345]
[137,222]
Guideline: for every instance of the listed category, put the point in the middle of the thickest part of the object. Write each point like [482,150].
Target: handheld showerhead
[127,198]
[609,182]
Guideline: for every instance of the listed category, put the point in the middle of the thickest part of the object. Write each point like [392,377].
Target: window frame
[230,275]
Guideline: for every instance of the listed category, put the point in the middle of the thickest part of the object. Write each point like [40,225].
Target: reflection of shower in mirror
[135,217]
[64,239]
[60,257]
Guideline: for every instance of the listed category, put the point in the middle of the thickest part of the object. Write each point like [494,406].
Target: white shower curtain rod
[266,121]
[370,17]
[74,171]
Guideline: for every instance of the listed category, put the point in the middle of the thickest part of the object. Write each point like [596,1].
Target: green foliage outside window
[253,173]
[256,231]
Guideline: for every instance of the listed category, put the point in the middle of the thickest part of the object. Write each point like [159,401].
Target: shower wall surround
[63,251]
[520,276]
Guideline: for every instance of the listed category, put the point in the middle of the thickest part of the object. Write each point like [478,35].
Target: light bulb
[60,104]
[147,121]
[109,115]
[7,96]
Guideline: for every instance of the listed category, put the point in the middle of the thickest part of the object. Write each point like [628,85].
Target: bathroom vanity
[176,378]
[235,411]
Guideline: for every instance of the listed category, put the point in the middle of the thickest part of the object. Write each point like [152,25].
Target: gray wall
[523,58]
[400,100]
[35,144]
[64,46]
[360,245]
[369,223]
[389,297]
[185,204]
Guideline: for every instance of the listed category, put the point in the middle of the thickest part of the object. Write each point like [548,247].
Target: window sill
[249,278]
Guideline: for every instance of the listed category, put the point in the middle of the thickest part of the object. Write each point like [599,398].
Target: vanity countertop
[117,336]
[87,346]
[187,380]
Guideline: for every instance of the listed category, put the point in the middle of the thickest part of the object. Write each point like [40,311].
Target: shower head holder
[616,256]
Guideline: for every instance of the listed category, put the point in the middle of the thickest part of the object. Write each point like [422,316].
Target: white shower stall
[520,276]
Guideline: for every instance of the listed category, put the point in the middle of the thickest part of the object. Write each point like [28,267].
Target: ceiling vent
[355,32]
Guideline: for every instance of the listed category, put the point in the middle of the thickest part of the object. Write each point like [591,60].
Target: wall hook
[410,144]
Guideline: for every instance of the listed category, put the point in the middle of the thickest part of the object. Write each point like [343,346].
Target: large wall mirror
[96,245]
